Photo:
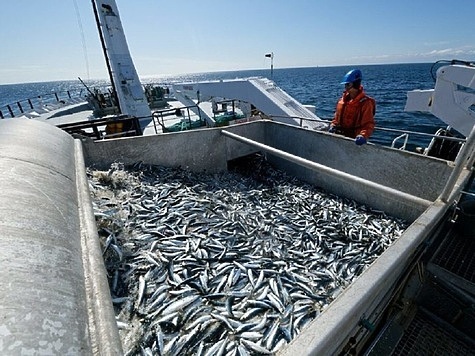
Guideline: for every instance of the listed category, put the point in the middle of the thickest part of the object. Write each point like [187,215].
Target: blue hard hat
[352,76]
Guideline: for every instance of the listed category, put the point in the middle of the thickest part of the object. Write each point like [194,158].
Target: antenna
[271,56]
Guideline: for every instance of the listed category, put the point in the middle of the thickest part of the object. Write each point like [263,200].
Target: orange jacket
[355,117]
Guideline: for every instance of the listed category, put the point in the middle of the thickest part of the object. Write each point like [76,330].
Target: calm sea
[318,86]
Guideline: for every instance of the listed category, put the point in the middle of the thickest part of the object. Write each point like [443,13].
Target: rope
[83,40]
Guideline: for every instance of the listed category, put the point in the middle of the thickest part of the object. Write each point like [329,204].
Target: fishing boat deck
[438,317]
[211,151]
[172,117]
[428,335]
[457,256]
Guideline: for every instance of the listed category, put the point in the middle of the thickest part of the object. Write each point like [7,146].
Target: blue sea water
[319,86]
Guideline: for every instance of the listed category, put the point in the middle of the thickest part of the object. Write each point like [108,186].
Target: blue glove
[360,140]
[332,129]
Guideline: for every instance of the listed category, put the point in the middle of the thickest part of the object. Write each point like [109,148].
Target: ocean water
[319,86]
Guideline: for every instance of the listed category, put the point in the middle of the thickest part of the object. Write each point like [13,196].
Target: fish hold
[224,263]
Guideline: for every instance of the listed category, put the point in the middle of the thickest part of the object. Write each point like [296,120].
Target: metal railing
[403,134]
[161,117]
[121,126]
[465,159]
[40,102]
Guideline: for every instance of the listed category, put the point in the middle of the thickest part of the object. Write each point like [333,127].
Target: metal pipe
[331,171]
[464,158]
[20,107]
[471,160]
[11,111]
[406,136]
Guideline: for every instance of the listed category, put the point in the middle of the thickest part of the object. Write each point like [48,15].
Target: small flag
[269,55]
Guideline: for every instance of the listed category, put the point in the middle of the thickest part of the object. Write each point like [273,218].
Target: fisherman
[354,115]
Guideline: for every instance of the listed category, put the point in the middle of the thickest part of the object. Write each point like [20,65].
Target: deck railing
[402,134]
[40,102]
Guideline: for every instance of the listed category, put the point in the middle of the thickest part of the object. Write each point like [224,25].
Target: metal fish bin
[255,260]
[239,260]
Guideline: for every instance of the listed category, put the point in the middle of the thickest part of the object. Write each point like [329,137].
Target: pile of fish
[235,263]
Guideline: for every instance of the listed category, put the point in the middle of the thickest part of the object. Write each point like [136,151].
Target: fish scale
[242,251]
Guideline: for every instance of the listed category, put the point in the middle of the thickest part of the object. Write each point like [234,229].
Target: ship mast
[121,68]
[109,70]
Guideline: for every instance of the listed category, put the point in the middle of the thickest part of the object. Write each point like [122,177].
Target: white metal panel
[130,93]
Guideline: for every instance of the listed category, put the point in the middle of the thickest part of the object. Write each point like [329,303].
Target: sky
[49,40]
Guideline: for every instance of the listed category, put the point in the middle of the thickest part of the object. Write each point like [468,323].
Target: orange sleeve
[335,121]
[367,118]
